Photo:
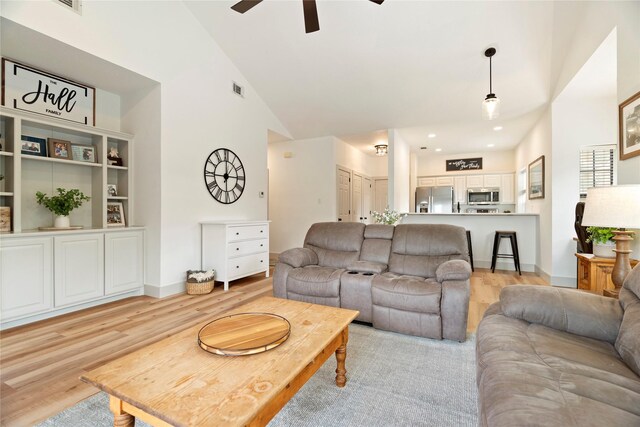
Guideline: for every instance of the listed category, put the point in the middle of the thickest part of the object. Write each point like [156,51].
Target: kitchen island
[483,227]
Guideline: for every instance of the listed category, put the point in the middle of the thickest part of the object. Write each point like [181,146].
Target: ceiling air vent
[238,90]
[75,5]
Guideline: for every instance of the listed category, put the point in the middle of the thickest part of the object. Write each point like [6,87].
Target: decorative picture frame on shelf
[629,127]
[84,153]
[33,146]
[112,190]
[113,157]
[536,179]
[60,149]
[115,214]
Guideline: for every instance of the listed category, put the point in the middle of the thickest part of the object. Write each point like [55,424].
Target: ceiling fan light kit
[309,8]
[491,103]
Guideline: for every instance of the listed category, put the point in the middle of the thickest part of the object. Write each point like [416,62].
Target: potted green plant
[62,204]
[602,244]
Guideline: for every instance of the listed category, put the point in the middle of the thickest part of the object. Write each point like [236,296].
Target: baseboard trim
[563,282]
[165,291]
[504,265]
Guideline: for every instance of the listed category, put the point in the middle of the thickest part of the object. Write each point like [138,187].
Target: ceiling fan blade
[311,22]
[244,5]
[377,1]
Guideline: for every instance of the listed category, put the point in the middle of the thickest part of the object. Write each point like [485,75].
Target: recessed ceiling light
[491,145]
[497,128]
[438,149]
[431,135]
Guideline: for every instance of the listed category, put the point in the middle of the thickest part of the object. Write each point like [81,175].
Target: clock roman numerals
[224,176]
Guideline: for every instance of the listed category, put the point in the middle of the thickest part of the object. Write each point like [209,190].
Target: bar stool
[470,249]
[511,235]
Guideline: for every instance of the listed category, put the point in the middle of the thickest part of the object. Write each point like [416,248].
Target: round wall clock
[224,175]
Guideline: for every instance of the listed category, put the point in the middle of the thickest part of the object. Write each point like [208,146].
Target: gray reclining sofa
[560,357]
[411,278]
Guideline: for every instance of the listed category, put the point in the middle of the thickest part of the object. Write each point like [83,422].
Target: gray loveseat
[411,278]
[560,357]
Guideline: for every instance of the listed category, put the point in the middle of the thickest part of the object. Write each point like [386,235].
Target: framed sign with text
[27,89]
[464,164]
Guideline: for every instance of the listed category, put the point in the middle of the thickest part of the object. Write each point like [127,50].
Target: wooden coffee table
[174,382]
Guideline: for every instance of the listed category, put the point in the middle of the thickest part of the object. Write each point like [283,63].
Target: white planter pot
[62,222]
[604,250]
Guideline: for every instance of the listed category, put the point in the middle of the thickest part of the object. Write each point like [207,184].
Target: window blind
[596,167]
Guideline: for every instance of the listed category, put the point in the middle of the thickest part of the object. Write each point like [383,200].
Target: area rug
[393,380]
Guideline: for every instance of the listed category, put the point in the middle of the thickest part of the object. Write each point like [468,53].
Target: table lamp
[616,207]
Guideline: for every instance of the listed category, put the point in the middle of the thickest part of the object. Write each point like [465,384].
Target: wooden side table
[594,274]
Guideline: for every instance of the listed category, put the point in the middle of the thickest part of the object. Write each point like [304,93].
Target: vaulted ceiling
[416,66]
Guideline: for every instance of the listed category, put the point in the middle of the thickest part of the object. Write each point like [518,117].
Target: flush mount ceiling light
[309,8]
[491,104]
[381,149]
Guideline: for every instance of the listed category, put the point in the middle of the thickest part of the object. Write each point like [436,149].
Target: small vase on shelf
[62,221]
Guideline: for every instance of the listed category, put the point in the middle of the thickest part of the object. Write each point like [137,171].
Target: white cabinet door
[26,273]
[492,181]
[79,268]
[460,189]
[475,181]
[444,181]
[123,262]
[507,193]
[426,182]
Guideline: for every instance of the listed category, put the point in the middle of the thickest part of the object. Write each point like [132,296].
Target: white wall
[492,161]
[302,189]
[535,144]
[399,172]
[348,156]
[198,109]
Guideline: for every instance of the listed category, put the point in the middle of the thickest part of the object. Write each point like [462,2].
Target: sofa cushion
[530,374]
[298,257]
[456,269]
[379,231]
[337,244]
[408,293]
[367,267]
[418,249]
[376,246]
[315,281]
[628,342]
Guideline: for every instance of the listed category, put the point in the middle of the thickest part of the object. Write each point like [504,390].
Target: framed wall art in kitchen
[629,120]
[536,179]
[26,88]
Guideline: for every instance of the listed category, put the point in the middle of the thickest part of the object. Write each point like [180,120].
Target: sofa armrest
[567,310]
[455,269]
[298,257]
[367,267]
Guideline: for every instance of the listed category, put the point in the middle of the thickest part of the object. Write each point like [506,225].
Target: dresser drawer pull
[261,245]
[237,234]
[237,249]
[261,231]
[237,266]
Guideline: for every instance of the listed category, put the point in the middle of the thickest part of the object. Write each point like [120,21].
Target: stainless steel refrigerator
[434,199]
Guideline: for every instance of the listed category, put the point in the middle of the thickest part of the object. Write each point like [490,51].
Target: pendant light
[491,104]
[381,149]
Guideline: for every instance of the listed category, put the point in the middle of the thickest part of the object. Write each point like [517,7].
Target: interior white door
[356,198]
[366,200]
[344,195]
[381,194]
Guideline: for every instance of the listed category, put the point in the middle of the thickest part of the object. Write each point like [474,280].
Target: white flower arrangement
[200,276]
[389,216]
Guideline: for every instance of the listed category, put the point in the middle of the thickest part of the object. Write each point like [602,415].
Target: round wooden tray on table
[243,334]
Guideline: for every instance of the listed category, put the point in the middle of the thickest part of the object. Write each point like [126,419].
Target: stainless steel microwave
[483,196]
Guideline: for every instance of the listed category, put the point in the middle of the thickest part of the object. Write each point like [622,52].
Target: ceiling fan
[311,22]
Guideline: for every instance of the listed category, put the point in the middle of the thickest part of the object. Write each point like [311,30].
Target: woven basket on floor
[195,288]
[199,288]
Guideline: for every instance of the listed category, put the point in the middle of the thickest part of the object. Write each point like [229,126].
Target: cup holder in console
[367,274]
[352,272]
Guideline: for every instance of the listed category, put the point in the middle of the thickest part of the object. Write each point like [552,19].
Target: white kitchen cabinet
[426,182]
[460,190]
[235,249]
[79,268]
[123,261]
[444,181]
[491,181]
[507,187]
[475,181]
[26,276]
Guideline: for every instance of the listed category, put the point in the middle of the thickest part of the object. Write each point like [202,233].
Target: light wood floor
[40,363]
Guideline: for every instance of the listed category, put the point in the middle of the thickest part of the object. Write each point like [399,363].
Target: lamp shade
[615,207]
[491,107]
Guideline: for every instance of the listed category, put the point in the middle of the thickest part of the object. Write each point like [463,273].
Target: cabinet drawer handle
[237,249]
[261,231]
[237,234]
[261,245]
[261,261]
[237,266]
